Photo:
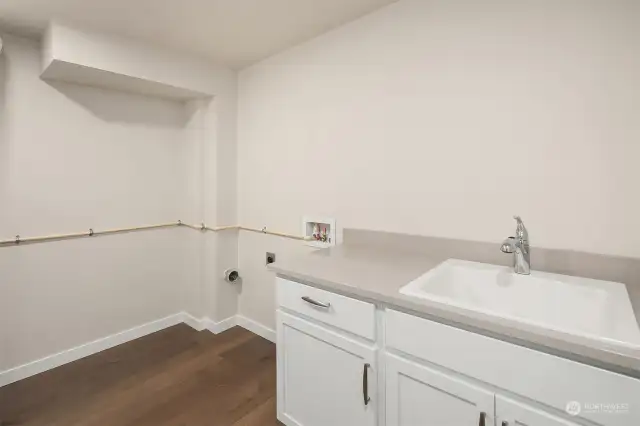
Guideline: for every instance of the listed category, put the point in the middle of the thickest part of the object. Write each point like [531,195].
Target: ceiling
[235,33]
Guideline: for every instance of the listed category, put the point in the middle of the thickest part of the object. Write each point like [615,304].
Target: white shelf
[101,60]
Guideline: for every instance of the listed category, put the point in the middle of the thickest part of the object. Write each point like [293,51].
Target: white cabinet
[417,395]
[324,377]
[547,379]
[429,374]
[513,413]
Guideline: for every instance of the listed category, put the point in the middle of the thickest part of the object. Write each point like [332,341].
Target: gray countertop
[376,274]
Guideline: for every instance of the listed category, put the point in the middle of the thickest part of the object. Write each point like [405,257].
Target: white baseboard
[206,323]
[224,325]
[219,327]
[73,354]
[52,361]
[256,328]
[193,322]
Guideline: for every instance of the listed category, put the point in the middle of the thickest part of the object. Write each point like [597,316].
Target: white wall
[212,189]
[445,118]
[75,157]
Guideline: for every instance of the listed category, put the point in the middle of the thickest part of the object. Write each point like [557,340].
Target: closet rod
[91,233]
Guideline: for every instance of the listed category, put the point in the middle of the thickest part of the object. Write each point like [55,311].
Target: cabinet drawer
[354,316]
[544,378]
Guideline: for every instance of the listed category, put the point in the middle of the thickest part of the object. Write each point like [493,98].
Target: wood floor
[176,377]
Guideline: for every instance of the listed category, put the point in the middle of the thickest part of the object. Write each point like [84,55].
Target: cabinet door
[417,395]
[514,413]
[324,378]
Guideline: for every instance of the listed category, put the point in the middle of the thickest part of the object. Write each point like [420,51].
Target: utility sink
[584,307]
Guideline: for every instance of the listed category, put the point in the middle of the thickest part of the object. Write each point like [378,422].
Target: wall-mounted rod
[222,228]
[195,227]
[18,240]
[277,234]
[90,233]
[260,231]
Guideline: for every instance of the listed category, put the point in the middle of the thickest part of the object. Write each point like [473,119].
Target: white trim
[256,328]
[219,327]
[52,361]
[193,322]
[206,323]
[47,363]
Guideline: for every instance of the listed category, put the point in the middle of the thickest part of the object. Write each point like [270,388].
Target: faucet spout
[509,245]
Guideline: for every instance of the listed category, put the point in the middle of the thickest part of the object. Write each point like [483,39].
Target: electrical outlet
[271,258]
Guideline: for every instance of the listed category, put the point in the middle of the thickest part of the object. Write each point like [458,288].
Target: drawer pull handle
[365,384]
[316,303]
[483,418]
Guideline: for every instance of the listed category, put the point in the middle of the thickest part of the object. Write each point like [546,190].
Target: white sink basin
[590,308]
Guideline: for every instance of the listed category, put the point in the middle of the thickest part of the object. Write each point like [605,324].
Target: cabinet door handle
[483,418]
[365,384]
[316,303]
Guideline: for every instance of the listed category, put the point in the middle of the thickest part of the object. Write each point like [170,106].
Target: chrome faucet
[519,246]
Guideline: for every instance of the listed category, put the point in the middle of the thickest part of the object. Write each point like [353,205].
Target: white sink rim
[625,332]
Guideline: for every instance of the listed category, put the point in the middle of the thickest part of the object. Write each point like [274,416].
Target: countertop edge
[599,358]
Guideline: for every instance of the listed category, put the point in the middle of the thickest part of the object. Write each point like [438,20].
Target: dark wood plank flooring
[175,377]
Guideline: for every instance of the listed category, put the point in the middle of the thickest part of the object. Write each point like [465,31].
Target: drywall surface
[445,118]
[212,195]
[74,158]
[108,60]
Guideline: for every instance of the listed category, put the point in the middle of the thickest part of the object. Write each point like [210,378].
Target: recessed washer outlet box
[320,232]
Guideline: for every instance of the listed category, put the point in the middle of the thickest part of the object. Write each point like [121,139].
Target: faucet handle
[521,230]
